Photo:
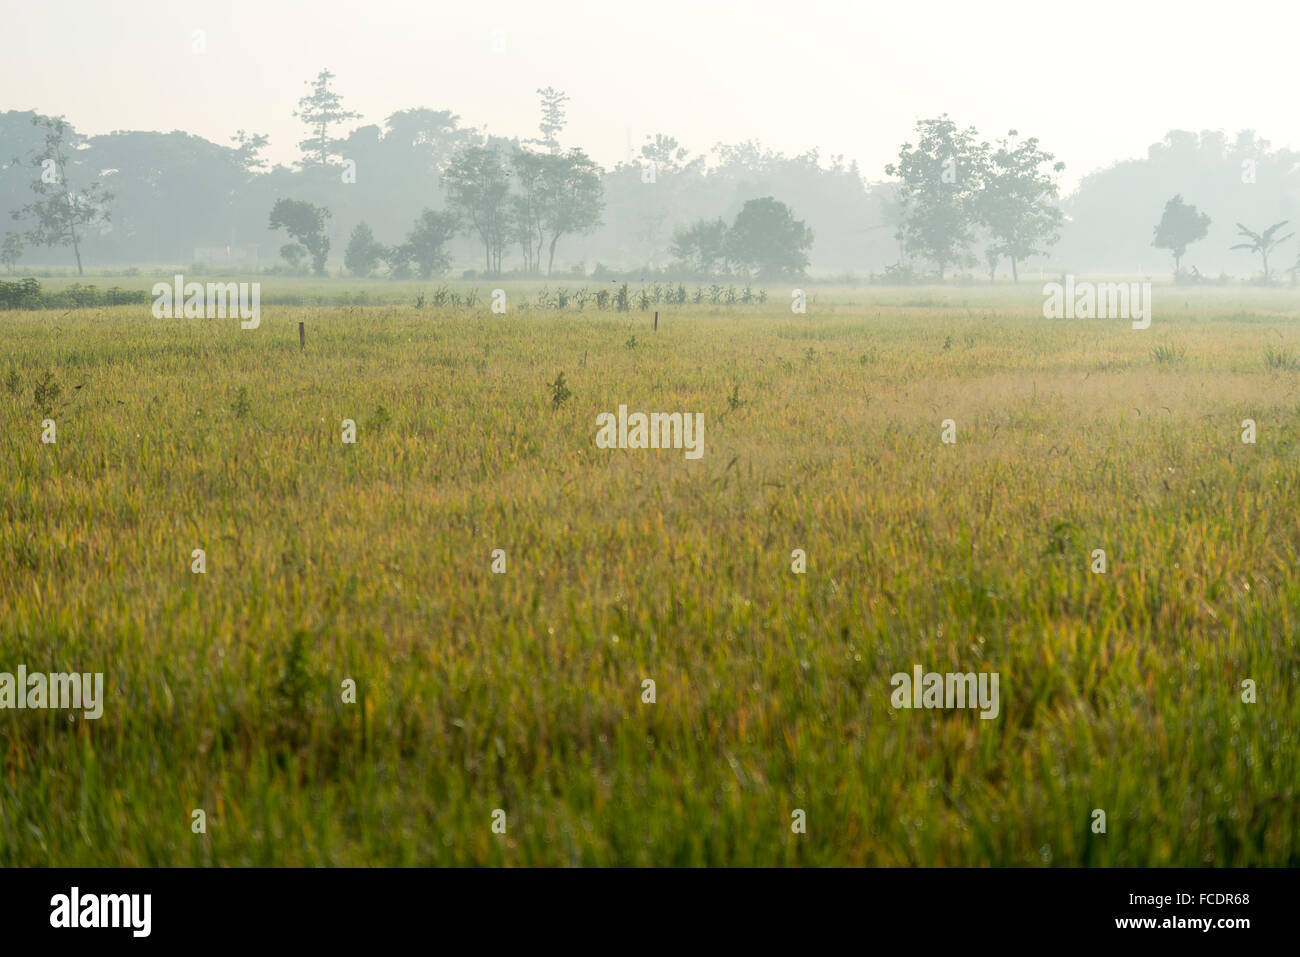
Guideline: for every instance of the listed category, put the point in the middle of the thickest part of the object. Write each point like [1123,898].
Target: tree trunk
[1015,273]
[76,249]
[551,261]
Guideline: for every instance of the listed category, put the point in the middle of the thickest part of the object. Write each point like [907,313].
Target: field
[476,691]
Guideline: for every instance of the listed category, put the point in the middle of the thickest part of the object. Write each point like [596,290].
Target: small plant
[380,419]
[419,300]
[810,355]
[631,343]
[623,301]
[1281,359]
[1168,354]
[560,389]
[241,405]
[734,401]
[47,392]
[947,343]
[13,382]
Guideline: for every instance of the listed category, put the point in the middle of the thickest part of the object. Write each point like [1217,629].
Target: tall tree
[1263,243]
[305,222]
[322,109]
[572,198]
[553,119]
[62,211]
[477,189]
[1016,202]
[1180,226]
[939,178]
[527,204]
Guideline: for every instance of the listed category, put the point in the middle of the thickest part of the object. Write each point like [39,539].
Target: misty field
[475,691]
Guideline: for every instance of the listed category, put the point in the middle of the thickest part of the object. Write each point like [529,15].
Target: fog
[731,102]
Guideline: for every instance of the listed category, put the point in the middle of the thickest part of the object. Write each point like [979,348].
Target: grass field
[523,692]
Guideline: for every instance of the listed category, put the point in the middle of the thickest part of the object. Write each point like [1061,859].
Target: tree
[477,189]
[424,245]
[248,149]
[553,120]
[305,222]
[11,251]
[939,178]
[293,254]
[363,253]
[526,204]
[1262,243]
[60,210]
[767,237]
[702,245]
[1015,202]
[572,198]
[1179,227]
[322,109]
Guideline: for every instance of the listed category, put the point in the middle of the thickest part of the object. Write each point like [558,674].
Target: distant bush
[22,294]
[27,294]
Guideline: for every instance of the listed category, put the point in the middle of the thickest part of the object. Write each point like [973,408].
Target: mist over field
[707,434]
[711,101]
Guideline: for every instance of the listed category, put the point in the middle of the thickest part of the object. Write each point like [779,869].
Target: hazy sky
[1094,81]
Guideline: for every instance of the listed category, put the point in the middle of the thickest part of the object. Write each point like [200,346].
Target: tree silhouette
[1263,243]
[1179,227]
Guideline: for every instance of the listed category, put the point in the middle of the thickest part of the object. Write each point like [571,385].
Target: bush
[23,294]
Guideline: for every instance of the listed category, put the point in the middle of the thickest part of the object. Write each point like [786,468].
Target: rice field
[457,614]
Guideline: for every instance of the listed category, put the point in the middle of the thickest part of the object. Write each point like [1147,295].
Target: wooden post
[656,320]
[302,336]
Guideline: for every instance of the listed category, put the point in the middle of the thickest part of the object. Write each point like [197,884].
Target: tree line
[953,201]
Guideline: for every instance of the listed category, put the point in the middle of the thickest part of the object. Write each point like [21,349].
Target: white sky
[1094,81]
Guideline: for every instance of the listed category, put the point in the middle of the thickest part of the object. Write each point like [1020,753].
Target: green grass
[523,691]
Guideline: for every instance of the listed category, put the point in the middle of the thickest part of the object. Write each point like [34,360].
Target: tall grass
[523,691]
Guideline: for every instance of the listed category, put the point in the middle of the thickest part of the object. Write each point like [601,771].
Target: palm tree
[1262,243]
